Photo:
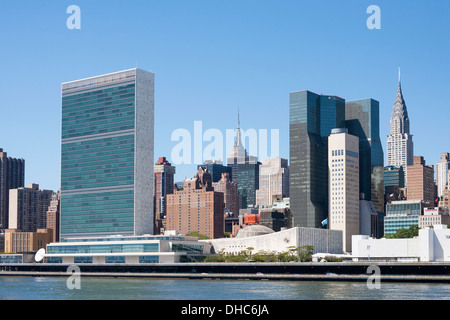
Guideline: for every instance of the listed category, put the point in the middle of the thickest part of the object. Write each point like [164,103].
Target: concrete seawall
[346,271]
[219,276]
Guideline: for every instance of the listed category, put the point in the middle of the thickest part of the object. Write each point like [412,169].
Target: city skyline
[250,43]
[148,146]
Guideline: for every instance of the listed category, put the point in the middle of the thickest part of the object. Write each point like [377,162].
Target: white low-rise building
[261,238]
[432,244]
[167,248]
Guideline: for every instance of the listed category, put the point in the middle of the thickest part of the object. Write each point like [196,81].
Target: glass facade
[83,259]
[11,258]
[115,249]
[111,259]
[394,176]
[393,224]
[103,248]
[115,259]
[188,248]
[108,239]
[90,163]
[245,172]
[248,182]
[97,213]
[54,260]
[148,259]
[311,119]
[216,170]
[99,155]
[99,111]
[98,163]
[402,215]
[362,118]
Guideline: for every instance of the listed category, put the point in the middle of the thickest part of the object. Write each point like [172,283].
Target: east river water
[48,288]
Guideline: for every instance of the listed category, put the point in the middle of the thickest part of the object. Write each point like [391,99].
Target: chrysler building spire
[399,119]
[400,145]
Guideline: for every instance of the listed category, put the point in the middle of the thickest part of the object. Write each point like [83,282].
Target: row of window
[105,183]
[77,98]
[98,221]
[99,118]
[74,107]
[108,259]
[97,98]
[103,248]
[99,130]
[7,259]
[100,144]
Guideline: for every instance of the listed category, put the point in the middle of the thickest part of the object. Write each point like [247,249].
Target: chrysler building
[399,144]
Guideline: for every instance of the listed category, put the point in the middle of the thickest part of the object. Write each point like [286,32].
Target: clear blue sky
[212,57]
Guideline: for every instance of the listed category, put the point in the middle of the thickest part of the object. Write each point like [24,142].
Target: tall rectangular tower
[442,173]
[53,216]
[164,185]
[312,117]
[197,208]
[107,155]
[362,118]
[273,181]
[420,179]
[28,208]
[343,168]
[12,176]
[230,192]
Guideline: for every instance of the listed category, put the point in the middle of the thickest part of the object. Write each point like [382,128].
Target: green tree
[264,256]
[411,232]
[300,254]
[332,259]
[249,252]
[198,235]
[305,253]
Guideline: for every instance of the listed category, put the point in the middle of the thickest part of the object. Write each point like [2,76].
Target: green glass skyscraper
[311,118]
[107,155]
[362,118]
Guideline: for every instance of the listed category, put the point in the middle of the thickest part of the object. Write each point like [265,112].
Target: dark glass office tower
[394,177]
[311,119]
[362,118]
[216,168]
[248,183]
[12,176]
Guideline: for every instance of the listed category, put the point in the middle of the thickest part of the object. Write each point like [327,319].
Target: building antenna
[239,121]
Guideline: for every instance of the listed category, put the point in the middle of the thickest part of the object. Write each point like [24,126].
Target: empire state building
[400,149]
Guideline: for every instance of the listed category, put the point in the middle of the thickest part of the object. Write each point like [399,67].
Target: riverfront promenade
[343,271]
